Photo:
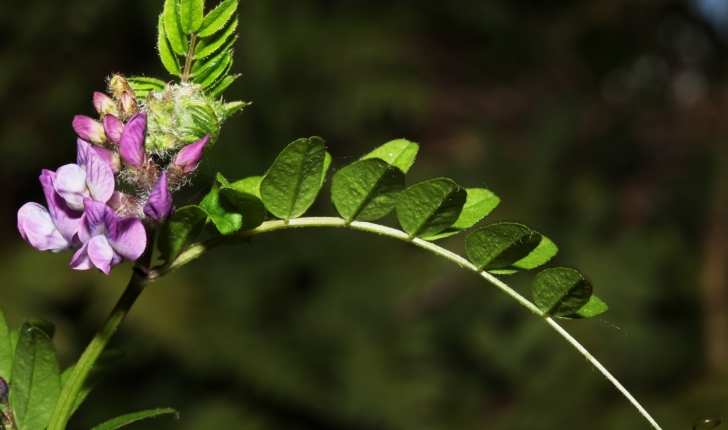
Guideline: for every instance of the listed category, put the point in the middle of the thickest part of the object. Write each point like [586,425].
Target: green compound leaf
[108,359]
[191,15]
[595,306]
[173,27]
[250,185]
[292,183]
[6,349]
[544,252]
[36,379]
[169,60]
[222,212]
[232,108]
[217,18]
[218,88]
[499,245]
[127,419]
[214,72]
[201,66]
[367,189]
[430,207]
[209,45]
[561,291]
[249,205]
[399,153]
[479,203]
[181,228]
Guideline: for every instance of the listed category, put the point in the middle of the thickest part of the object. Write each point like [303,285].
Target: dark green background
[600,123]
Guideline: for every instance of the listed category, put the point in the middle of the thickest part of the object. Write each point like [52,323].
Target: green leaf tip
[595,306]
[294,180]
[399,153]
[191,15]
[428,208]
[366,190]
[127,419]
[210,45]
[173,27]
[561,291]
[217,18]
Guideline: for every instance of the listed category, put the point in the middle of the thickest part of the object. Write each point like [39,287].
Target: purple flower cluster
[85,211]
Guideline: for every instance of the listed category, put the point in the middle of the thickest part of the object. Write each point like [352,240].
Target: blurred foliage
[599,123]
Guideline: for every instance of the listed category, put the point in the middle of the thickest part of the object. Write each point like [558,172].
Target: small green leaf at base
[182,227]
[367,189]
[292,183]
[127,419]
[595,306]
[399,153]
[479,203]
[561,291]
[501,244]
[427,208]
[36,379]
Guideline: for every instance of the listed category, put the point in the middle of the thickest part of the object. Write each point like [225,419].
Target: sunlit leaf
[216,19]
[215,72]
[290,186]
[191,14]
[479,203]
[248,204]
[36,379]
[201,66]
[561,291]
[182,227]
[217,88]
[221,211]
[250,185]
[544,252]
[209,45]
[367,189]
[169,60]
[595,306]
[500,245]
[127,419]
[173,27]
[232,108]
[399,153]
[430,207]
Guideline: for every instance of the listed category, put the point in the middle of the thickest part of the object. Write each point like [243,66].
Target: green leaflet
[222,212]
[499,245]
[561,291]
[216,19]
[173,27]
[544,252]
[209,45]
[108,359]
[191,13]
[248,204]
[232,108]
[218,88]
[127,419]
[595,306]
[366,190]
[199,120]
[36,379]
[144,83]
[479,203]
[399,153]
[201,66]
[430,207]
[46,327]
[250,185]
[292,183]
[169,60]
[6,349]
[182,227]
[216,71]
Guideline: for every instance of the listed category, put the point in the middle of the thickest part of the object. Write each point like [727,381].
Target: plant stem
[188,59]
[197,250]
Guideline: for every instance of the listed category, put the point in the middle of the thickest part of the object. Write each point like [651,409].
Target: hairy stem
[197,250]
[189,58]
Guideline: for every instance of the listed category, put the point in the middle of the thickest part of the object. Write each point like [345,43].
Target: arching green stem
[199,249]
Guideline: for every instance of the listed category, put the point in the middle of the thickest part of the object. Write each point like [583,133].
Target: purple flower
[108,239]
[89,129]
[91,177]
[53,229]
[189,157]
[159,205]
[131,143]
[104,104]
[113,128]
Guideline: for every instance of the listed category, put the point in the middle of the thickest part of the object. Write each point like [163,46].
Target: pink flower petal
[37,228]
[131,143]
[99,177]
[101,254]
[104,104]
[66,219]
[93,222]
[189,157]
[81,151]
[126,235]
[70,183]
[81,260]
[111,158]
[113,128]
[159,205]
[89,129]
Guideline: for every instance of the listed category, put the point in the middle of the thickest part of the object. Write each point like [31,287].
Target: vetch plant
[115,203]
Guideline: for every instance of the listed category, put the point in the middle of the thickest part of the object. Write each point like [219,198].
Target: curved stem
[199,249]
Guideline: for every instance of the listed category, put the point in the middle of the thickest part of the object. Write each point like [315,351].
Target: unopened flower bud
[117,86]
[189,157]
[3,389]
[89,129]
[128,104]
[113,128]
[110,157]
[159,205]
[131,143]
[104,104]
